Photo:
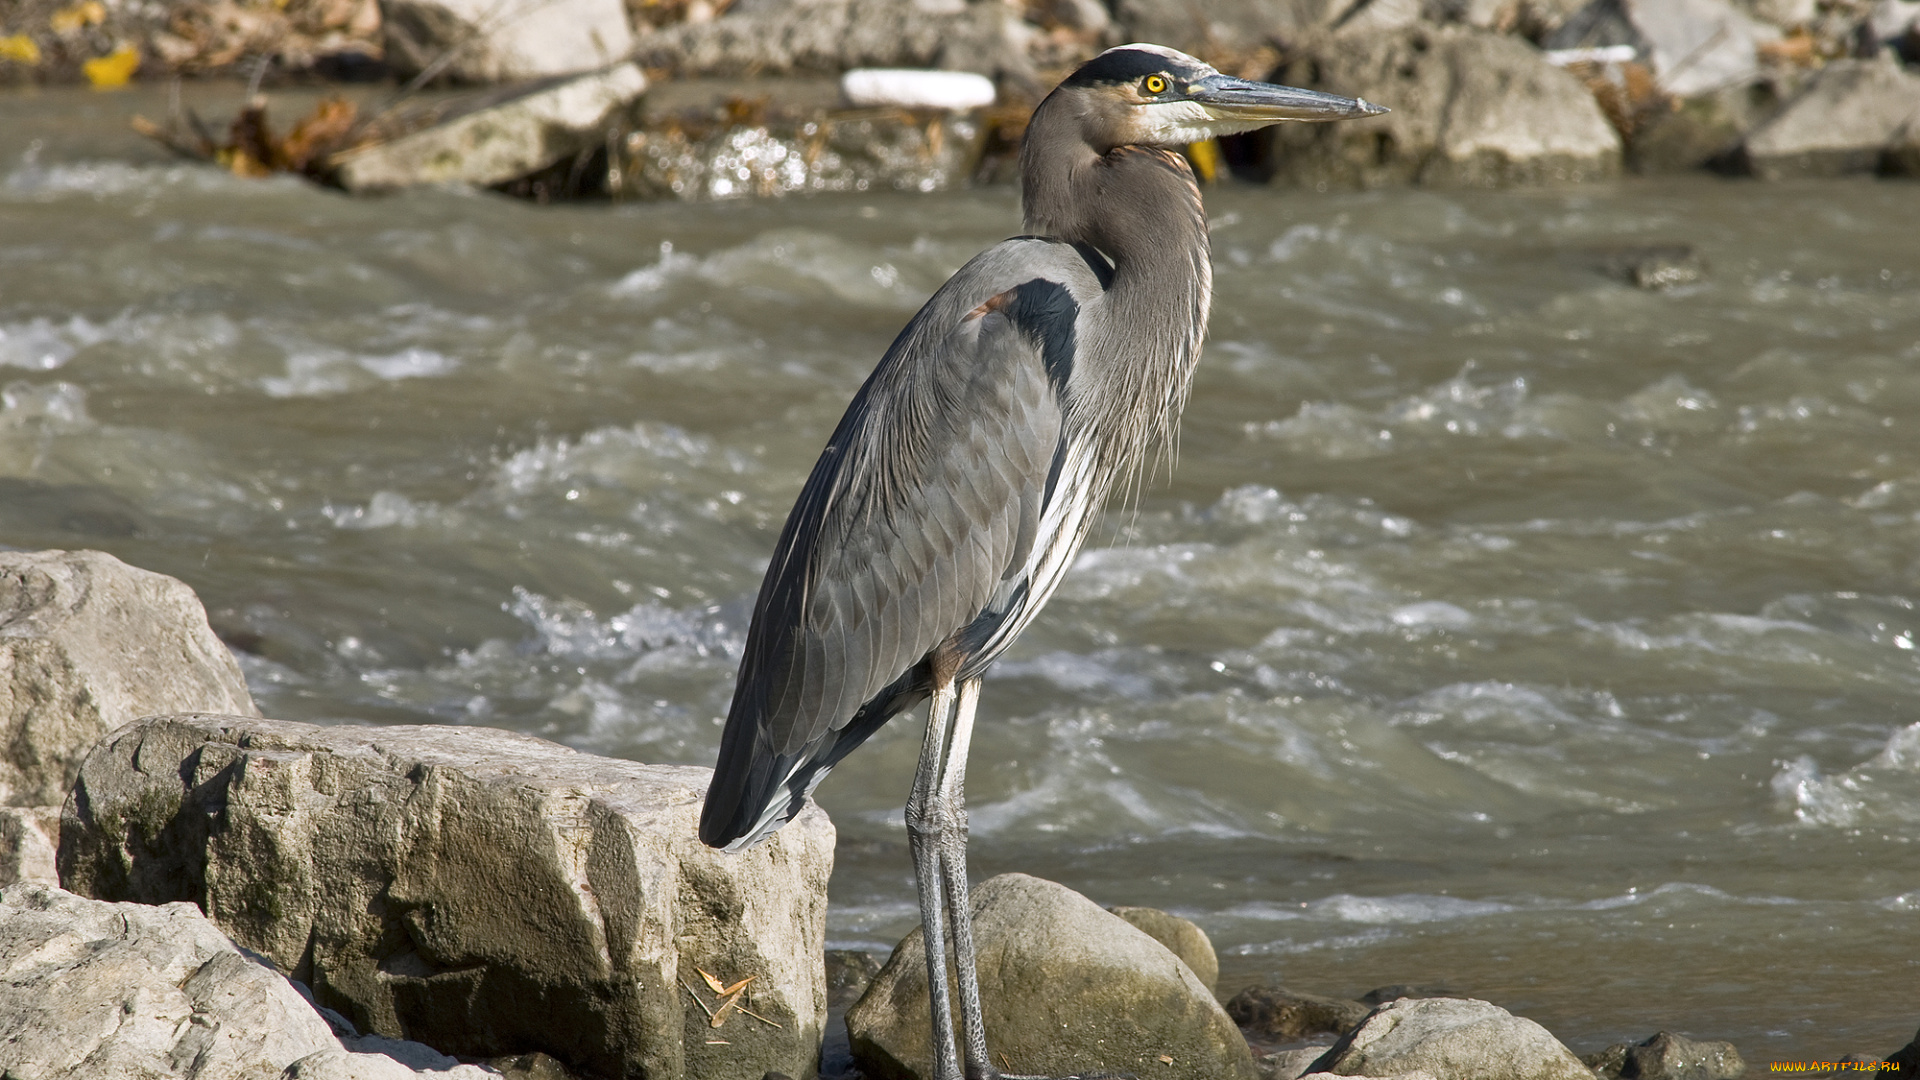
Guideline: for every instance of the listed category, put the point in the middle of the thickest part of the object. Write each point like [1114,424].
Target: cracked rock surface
[483,892]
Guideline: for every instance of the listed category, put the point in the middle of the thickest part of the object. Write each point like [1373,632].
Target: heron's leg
[952,796]
[926,827]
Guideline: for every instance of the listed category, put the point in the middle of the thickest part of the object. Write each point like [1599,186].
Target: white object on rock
[504,140]
[88,643]
[479,891]
[1892,19]
[484,41]
[1604,54]
[1450,1037]
[908,88]
[28,837]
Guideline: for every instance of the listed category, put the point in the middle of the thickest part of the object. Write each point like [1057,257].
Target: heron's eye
[1155,84]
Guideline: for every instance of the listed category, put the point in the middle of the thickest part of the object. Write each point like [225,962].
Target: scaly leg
[925,832]
[952,796]
[950,803]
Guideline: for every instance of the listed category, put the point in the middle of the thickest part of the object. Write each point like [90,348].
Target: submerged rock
[849,973]
[1470,109]
[1181,937]
[483,41]
[1380,995]
[1654,266]
[841,150]
[1667,1056]
[479,891]
[494,138]
[1854,115]
[1067,989]
[1450,1037]
[88,643]
[1288,1064]
[1275,1014]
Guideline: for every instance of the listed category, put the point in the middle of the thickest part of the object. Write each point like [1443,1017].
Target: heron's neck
[1141,208]
[1138,205]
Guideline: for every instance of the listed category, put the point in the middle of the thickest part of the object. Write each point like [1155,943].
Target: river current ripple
[1504,626]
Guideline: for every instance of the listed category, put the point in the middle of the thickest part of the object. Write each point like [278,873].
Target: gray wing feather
[918,525]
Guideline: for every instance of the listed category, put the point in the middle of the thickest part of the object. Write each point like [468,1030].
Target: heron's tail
[755,791]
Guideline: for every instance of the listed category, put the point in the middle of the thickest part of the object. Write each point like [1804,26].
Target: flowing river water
[1504,627]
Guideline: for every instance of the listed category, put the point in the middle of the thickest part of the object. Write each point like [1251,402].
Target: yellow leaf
[85,13]
[110,72]
[20,49]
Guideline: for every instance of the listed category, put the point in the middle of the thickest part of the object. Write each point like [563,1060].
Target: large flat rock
[479,891]
[498,137]
[88,643]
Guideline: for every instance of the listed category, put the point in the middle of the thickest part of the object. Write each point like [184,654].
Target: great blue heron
[961,481]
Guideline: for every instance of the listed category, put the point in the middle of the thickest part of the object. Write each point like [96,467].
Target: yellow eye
[1155,84]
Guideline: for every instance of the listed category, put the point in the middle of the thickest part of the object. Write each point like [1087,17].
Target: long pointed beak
[1229,98]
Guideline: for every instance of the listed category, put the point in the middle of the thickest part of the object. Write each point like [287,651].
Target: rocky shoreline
[222,895]
[706,99]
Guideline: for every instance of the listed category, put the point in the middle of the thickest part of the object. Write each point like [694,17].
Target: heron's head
[1150,95]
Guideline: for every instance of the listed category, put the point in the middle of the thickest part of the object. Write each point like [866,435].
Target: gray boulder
[88,643]
[1450,1037]
[480,891]
[1275,1014]
[485,41]
[104,991]
[1220,29]
[1068,989]
[491,139]
[27,838]
[1667,1056]
[1470,109]
[1692,46]
[831,36]
[98,990]
[1851,119]
[1703,131]
[1181,937]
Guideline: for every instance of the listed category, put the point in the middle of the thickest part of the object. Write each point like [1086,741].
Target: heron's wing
[910,547]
